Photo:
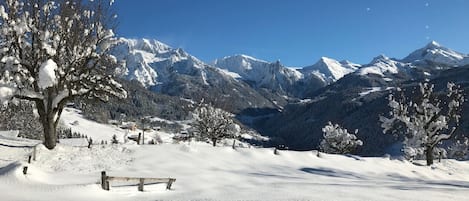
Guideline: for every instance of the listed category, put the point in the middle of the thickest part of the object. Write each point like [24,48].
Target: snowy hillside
[330,70]
[250,68]
[202,172]
[382,66]
[435,53]
[174,72]
[262,74]
[148,61]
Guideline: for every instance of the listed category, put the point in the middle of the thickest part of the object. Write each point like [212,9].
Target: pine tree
[20,116]
[114,139]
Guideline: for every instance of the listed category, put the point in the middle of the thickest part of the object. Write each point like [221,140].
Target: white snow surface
[47,76]
[6,93]
[381,65]
[374,89]
[72,172]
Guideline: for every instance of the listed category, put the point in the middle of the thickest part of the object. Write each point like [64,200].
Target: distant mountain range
[288,104]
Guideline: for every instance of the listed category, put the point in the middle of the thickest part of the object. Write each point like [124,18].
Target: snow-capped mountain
[435,53]
[252,83]
[173,71]
[382,66]
[359,98]
[148,61]
[330,70]
[261,74]
[422,62]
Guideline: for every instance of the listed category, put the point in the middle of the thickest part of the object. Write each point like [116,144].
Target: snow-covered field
[72,172]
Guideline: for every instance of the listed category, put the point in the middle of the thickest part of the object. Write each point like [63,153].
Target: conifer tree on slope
[52,51]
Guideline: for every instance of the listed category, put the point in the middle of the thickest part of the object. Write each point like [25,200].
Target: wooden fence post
[104,182]
[140,184]
[34,153]
[168,187]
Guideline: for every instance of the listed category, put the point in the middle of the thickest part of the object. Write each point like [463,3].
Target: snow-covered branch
[338,140]
[427,120]
[53,51]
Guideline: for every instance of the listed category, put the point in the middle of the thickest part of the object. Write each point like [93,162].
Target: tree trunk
[50,134]
[214,142]
[47,117]
[429,155]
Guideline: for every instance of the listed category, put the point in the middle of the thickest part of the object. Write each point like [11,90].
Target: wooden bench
[141,181]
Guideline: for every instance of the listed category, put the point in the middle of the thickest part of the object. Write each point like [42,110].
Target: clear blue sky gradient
[297,32]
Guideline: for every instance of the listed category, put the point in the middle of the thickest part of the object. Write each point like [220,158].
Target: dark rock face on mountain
[291,105]
[358,99]
[174,72]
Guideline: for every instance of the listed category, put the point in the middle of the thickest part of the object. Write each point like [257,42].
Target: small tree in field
[425,121]
[213,124]
[114,139]
[337,140]
[52,51]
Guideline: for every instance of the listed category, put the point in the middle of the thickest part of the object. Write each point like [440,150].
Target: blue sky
[297,32]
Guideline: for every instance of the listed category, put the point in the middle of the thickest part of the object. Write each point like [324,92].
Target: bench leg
[104,181]
[170,183]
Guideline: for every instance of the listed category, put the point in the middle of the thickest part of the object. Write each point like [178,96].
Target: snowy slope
[426,58]
[204,172]
[435,53]
[382,65]
[174,72]
[149,61]
[262,73]
[331,70]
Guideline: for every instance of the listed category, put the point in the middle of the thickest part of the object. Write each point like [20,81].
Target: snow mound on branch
[47,76]
[5,94]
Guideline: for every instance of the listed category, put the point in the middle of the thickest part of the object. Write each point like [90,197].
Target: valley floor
[72,172]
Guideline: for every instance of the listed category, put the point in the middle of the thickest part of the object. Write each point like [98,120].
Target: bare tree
[53,51]
[213,124]
[425,121]
[338,140]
